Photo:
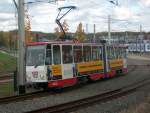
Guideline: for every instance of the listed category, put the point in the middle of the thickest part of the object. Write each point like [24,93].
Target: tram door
[67,61]
[56,61]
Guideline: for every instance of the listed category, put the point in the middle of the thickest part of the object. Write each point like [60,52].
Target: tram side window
[100,53]
[77,51]
[96,53]
[87,53]
[112,49]
[48,55]
[115,53]
[108,53]
[67,54]
[56,54]
[125,53]
[119,52]
[111,53]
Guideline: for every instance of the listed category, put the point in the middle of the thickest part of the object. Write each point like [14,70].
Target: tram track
[104,97]
[39,94]
[23,97]
[36,102]
[6,76]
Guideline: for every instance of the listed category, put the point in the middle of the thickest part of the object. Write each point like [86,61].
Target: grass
[6,89]
[7,62]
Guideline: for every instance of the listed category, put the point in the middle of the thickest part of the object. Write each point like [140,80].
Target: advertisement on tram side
[90,66]
[116,63]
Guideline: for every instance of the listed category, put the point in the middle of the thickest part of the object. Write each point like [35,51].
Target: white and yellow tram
[61,64]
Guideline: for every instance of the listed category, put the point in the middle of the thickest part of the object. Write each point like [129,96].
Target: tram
[62,64]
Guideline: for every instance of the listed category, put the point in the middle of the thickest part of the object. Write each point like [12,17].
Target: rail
[6,76]
[75,105]
[38,94]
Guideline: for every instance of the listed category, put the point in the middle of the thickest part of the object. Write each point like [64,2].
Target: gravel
[120,105]
[78,93]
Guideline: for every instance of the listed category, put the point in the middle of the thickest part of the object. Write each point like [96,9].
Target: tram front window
[35,55]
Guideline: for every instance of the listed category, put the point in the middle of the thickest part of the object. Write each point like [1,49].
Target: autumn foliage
[58,31]
[80,35]
[27,28]
[8,39]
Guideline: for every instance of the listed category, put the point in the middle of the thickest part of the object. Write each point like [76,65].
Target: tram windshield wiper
[36,65]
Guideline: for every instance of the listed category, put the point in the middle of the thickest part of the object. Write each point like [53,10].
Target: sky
[128,15]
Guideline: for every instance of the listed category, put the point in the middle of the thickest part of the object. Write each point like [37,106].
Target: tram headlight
[42,76]
[28,77]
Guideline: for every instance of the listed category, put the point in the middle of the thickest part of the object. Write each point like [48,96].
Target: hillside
[7,62]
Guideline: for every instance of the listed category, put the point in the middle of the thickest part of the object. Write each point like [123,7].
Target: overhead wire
[113,20]
[102,17]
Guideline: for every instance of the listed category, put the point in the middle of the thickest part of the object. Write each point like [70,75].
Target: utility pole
[140,29]
[87,28]
[140,39]
[126,38]
[109,29]
[21,49]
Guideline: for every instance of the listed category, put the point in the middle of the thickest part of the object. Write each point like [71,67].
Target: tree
[80,35]
[7,38]
[27,28]
[65,26]
[58,31]
[1,38]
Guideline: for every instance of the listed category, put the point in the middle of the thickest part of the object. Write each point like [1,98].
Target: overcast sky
[127,16]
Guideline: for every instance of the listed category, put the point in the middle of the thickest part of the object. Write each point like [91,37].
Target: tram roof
[72,43]
[63,43]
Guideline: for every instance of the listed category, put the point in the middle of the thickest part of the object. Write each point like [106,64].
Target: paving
[140,57]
